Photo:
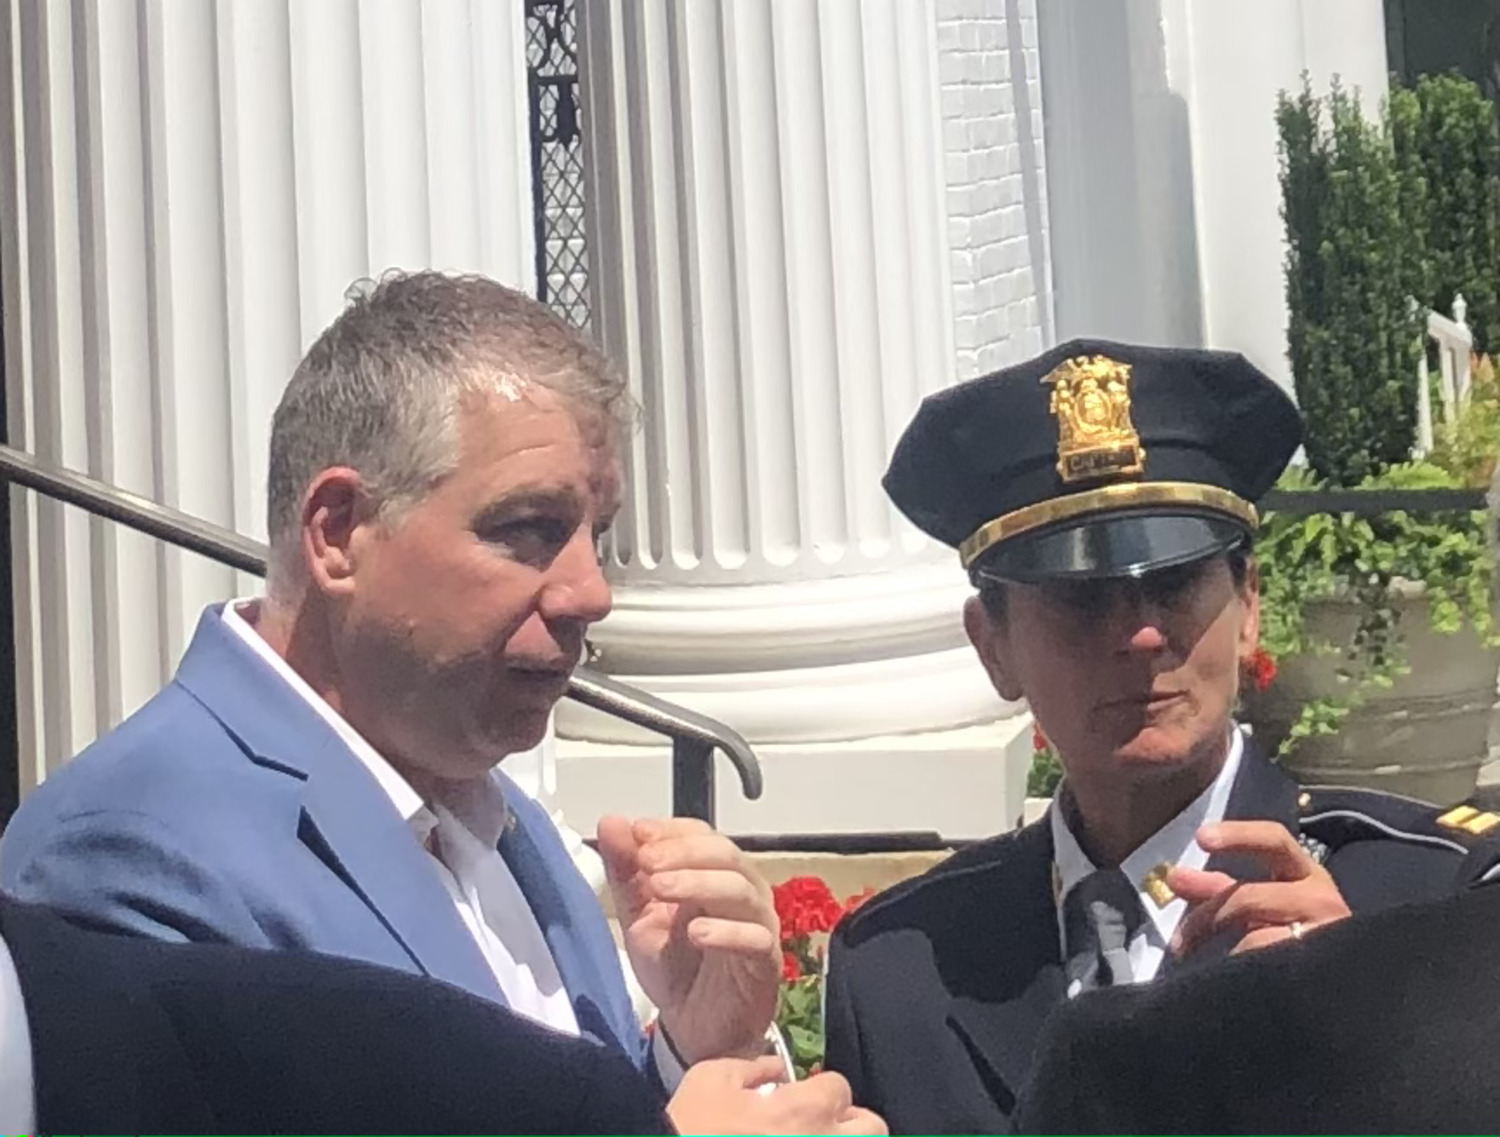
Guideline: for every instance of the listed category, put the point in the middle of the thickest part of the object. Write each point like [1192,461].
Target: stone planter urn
[1425,737]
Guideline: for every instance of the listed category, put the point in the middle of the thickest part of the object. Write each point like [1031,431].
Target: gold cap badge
[1095,437]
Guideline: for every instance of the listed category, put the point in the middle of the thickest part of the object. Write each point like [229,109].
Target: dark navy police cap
[1095,460]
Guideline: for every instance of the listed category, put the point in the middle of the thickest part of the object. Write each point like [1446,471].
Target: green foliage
[1045,773]
[1469,449]
[1304,560]
[1445,138]
[1352,265]
[800,1017]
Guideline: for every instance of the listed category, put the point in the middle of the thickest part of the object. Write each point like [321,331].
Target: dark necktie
[1101,914]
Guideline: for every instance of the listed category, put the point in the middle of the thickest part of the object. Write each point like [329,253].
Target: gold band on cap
[1122,495]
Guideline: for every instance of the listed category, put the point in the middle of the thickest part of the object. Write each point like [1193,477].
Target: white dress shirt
[1175,843]
[461,838]
[17,1090]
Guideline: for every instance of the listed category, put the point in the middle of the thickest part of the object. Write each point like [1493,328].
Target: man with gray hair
[322,771]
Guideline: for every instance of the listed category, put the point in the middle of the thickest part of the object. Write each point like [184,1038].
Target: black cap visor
[1109,546]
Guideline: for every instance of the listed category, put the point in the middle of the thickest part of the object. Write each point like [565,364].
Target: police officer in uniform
[1102,498]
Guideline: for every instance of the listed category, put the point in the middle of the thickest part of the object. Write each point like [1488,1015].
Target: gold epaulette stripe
[1469,819]
[1456,816]
[1482,824]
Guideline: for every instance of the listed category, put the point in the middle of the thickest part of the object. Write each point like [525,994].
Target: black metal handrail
[694,737]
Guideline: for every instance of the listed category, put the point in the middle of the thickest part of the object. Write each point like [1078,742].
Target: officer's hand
[1299,897]
[727,1095]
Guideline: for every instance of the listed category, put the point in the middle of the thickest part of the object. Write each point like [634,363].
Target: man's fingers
[695,851]
[1269,841]
[713,1098]
[862,1122]
[763,1071]
[715,892]
[1197,885]
[661,828]
[826,1094]
[740,937]
[824,1104]
[618,848]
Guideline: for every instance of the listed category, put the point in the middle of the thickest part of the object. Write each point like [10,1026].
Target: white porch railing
[1455,346]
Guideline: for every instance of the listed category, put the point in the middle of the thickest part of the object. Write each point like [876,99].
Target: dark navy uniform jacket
[939,989]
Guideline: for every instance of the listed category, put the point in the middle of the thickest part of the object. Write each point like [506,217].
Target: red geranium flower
[1038,739]
[805,905]
[1260,668]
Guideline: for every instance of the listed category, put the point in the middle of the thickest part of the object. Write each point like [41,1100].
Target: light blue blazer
[226,809]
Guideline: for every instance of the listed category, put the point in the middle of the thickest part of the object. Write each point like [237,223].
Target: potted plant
[1380,629]
[1379,619]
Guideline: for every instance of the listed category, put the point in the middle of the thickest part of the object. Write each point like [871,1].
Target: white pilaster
[193,187]
[771,267]
[1234,140]
[1162,159]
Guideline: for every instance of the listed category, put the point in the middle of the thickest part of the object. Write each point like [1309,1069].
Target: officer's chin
[1160,747]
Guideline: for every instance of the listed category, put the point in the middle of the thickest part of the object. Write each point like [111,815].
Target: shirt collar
[240,616]
[477,809]
[1175,843]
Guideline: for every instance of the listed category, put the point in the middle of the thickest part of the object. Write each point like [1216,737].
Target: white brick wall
[990,73]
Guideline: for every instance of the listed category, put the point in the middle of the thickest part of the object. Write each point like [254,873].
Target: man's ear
[988,637]
[334,508]
[1250,597]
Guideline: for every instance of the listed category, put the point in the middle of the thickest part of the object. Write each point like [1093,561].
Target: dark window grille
[557,185]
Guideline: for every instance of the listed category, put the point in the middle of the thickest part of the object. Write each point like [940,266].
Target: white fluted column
[771,267]
[192,186]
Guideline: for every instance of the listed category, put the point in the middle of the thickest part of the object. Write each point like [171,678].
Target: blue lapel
[355,829]
[572,922]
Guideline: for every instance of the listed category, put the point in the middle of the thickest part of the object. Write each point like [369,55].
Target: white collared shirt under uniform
[1175,843]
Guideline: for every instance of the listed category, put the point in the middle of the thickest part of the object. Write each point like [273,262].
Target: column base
[963,783]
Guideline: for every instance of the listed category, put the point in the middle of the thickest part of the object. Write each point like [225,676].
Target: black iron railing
[694,737]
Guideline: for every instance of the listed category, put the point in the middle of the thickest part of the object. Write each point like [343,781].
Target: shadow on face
[1133,673]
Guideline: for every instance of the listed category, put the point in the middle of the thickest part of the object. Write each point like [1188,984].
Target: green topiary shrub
[1352,266]
[1444,134]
